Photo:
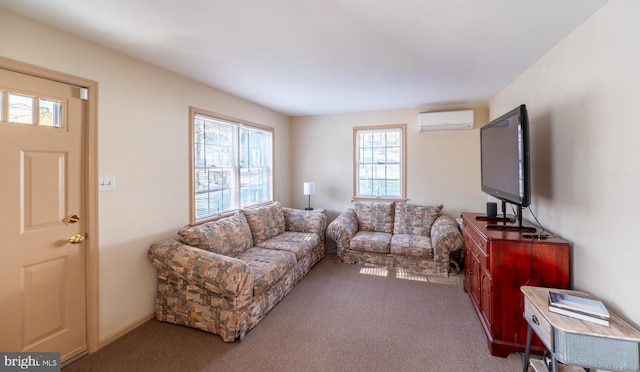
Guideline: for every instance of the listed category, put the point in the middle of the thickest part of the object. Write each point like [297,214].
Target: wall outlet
[107,183]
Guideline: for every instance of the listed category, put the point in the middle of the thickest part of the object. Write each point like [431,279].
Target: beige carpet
[338,318]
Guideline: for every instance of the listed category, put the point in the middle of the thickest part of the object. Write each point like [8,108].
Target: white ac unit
[446,120]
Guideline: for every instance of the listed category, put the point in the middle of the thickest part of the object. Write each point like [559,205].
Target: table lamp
[309,189]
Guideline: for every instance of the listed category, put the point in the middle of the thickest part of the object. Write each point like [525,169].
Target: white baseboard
[126,329]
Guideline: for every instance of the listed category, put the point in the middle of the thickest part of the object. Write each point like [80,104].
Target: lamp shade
[309,188]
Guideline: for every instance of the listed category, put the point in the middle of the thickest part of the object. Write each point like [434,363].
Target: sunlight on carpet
[400,274]
[375,271]
[406,275]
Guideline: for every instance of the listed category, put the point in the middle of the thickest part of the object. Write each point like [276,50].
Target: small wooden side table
[577,342]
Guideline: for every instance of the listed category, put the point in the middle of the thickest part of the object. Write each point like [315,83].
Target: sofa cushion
[411,246]
[371,241]
[228,236]
[267,266]
[265,221]
[375,216]
[295,242]
[415,219]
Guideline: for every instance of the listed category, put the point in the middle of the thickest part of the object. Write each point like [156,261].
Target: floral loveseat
[417,239]
[224,276]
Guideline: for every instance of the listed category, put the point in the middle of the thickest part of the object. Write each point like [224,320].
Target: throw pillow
[228,236]
[265,221]
[415,219]
[375,216]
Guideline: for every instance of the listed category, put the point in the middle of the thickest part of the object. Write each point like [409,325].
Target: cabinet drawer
[539,324]
[477,244]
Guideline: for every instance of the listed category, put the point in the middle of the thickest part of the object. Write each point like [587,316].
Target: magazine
[557,310]
[581,305]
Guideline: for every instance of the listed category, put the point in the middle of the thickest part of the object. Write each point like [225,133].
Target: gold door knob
[76,239]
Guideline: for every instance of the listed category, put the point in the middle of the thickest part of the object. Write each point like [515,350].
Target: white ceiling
[310,57]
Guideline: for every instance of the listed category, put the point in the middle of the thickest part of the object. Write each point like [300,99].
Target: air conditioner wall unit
[445,120]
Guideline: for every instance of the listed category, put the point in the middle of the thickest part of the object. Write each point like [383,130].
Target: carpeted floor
[338,318]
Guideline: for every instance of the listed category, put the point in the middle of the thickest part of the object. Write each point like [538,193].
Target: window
[31,110]
[379,162]
[232,165]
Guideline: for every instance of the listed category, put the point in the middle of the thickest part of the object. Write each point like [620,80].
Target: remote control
[535,236]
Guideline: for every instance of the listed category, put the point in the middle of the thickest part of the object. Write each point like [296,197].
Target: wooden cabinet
[497,264]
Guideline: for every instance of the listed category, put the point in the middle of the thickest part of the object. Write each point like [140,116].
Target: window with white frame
[379,162]
[232,165]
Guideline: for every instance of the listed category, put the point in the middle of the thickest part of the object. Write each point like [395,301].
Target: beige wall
[143,142]
[583,101]
[442,167]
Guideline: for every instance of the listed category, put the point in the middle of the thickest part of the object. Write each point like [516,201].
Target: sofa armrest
[445,238]
[216,273]
[343,228]
[298,220]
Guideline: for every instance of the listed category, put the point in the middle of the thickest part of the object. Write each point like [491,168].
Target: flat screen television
[504,147]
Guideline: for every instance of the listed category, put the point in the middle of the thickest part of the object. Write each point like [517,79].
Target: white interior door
[42,210]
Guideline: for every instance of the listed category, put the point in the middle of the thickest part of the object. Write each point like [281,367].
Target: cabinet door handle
[535,320]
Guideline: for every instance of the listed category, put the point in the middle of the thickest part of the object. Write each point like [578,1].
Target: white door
[42,210]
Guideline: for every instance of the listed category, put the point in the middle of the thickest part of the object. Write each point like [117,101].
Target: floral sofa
[416,239]
[224,276]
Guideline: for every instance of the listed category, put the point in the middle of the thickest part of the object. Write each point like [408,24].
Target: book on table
[579,307]
[573,314]
[586,306]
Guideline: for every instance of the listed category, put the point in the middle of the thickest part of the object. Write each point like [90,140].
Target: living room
[581,103]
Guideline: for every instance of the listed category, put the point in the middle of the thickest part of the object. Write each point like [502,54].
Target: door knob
[76,239]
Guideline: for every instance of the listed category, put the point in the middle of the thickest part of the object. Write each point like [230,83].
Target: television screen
[504,145]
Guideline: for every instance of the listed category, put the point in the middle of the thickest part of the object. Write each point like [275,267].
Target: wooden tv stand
[496,264]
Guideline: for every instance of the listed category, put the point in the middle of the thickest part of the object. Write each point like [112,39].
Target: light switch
[107,183]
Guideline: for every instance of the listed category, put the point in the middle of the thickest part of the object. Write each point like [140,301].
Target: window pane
[366,155]
[255,160]
[50,113]
[380,155]
[212,202]
[393,187]
[379,162]
[213,192]
[366,139]
[198,131]
[378,139]
[393,139]
[380,171]
[365,187]
[393,155]
[21,109]
[379,187]
[213,168]
[253,186]
[253,147]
